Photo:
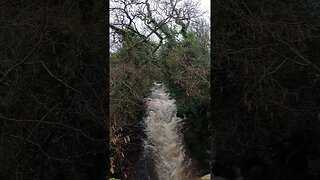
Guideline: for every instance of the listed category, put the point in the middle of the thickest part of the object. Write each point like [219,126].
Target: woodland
[179,58]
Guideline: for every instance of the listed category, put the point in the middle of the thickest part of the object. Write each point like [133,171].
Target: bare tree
[156,21]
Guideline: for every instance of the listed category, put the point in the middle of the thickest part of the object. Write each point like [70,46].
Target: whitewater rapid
[164,146]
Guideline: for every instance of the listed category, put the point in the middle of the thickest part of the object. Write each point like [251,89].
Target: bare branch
[55,77]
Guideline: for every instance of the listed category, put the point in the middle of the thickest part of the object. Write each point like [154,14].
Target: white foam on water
[164,143]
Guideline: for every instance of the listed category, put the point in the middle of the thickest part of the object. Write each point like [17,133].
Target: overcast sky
[205,5]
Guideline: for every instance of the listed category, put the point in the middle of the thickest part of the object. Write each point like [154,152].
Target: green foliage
[183,66]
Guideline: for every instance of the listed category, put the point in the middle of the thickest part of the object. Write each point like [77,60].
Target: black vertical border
[211,83]
[108,89]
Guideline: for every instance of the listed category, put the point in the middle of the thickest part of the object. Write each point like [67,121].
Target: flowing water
[164,151]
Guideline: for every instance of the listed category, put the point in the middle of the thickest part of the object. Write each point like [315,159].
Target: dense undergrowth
[184,69]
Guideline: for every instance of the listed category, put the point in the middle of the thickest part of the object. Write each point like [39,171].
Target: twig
[300,56]
[23,60]
[52,123]
[55,77]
